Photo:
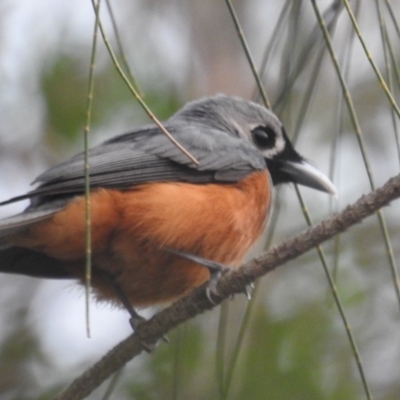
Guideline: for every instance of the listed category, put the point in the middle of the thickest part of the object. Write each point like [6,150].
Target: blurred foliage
[279,352]
[164,104]
[171,371]
[65,88]
[285,358]
[21,358]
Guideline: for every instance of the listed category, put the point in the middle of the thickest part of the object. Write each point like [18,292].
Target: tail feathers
[15,199]
[16,260]
[16,223]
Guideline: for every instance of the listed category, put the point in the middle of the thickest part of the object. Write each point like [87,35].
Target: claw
[216,269]
[211,287]
[147,347]
[135,319]
[248,289]
[134,322]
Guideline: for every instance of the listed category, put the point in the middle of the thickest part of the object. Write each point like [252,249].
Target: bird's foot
[216,270]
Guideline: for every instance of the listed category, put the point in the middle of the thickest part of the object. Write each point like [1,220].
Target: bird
[161,224]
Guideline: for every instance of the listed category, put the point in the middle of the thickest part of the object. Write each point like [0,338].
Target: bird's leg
[135,317]
[216,269]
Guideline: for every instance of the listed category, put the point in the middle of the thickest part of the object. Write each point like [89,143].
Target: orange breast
[131,229]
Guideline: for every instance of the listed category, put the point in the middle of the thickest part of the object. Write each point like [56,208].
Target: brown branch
[231,283]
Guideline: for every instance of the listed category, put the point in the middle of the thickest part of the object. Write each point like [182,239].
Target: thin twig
[88,221]
[238,345]
[121,49]
[139,99]
[273,41]
[220,354]
[248,54]
[360,139]
[338,302]
[391,69]
[378,74]
[313,42]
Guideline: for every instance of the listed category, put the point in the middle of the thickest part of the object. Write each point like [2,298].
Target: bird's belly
[131,230]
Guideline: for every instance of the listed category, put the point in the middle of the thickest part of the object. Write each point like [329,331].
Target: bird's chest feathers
[219,222]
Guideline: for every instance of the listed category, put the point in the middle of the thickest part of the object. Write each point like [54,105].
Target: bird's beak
[303,173]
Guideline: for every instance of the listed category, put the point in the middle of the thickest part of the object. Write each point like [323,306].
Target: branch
[231,283]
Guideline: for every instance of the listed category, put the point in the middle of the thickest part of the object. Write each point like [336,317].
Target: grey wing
[142,156]
[148,155]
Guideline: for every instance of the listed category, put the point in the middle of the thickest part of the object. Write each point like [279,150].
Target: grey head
[262,128]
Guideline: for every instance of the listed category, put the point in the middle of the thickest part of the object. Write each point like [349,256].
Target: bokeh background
[289,342]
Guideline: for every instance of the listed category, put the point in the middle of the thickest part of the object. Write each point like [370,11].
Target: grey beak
[306,174]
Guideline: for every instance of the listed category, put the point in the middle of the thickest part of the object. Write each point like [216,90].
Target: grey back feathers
[217,131]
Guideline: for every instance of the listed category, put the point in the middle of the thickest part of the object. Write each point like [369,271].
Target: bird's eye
[264,137]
